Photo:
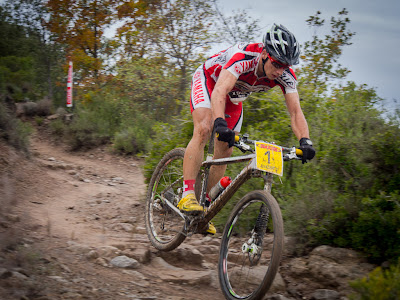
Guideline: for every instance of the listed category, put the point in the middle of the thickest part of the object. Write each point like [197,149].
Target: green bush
[380,284]
[95,122]
[348,195]
[132,140]
[15,132]
[58,128]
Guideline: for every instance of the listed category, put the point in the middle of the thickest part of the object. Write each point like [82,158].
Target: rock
[143,255]
[188,255]
[169,273]
[123,226]
[338,255]
[323,294]
[124,262]
[291,246]
[78,248]
[298,267]
[12,218]
[158,262]
[278,285]
[326,266]
[138,278]
[101,261]
[93,254]
[58,278]
[277,297]
[19,276]
[4,273]
[108,251]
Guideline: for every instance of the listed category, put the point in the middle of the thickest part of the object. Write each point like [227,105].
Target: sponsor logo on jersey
[239,94]
[246,87]
[221,59]
[287,80]
[245,66]
[197,91]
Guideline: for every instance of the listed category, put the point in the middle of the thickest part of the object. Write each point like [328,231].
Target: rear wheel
[251,247]
[163,225]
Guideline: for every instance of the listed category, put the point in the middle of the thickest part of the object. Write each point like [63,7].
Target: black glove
[224,134]
[307,148]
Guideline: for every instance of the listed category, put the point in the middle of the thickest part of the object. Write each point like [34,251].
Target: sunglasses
[277,64]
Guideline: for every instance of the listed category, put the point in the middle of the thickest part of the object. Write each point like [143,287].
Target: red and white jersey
[242,60]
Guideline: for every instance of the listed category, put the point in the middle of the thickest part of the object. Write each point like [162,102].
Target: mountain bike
[252,240]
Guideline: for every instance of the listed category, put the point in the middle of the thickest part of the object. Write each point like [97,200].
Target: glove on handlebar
[224,133]
[307,148]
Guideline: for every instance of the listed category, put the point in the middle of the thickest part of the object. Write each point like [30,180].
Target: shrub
[58,128]
[15,132]
[132,140]
[44,107]
[95,122]
[380,284]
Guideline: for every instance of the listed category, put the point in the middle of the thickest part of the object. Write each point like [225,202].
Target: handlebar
[243,142]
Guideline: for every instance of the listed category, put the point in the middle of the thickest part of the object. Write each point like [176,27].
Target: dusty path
[75,212]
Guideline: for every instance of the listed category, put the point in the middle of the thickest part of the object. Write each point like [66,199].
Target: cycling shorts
[202,87]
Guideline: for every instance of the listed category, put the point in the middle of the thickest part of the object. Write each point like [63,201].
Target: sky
[374,56]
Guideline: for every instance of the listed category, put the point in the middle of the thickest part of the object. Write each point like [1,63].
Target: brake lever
[237,145]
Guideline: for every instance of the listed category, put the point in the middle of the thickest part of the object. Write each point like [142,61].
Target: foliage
[80,25]
[180,33]
[24,37]
[149,91]
[167,136]
[320,57]
[325,203]
[94,122]
[12,130]
[238,27]
[134,134]
[380,284]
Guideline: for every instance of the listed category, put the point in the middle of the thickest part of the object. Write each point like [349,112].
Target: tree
[27,19]
[135,35]
[321,55]
[237,28]
[182,33]
[80,25]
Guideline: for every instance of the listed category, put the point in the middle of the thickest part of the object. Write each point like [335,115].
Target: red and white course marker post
[69,85]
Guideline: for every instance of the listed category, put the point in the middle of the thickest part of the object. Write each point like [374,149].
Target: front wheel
[163,225]
[251,247]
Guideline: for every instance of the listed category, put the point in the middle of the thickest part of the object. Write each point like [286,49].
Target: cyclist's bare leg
[221,150]
[194,153]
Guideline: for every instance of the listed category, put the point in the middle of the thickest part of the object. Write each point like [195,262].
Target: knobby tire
[164,227]
[243,275]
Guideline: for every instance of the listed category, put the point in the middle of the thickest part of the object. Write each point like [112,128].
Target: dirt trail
[75,212]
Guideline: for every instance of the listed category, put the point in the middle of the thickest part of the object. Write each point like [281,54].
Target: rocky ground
[72,227]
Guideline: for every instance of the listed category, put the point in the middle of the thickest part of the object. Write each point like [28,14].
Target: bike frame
[250,171]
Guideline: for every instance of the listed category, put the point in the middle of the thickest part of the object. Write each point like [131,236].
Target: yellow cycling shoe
[211,229]
[190,205]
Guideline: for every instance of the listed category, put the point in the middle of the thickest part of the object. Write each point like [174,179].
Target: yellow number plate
[269,158]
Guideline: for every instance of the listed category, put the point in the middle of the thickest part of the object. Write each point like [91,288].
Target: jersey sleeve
[288,82]
[240,63]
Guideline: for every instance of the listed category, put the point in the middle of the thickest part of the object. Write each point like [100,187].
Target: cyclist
[218,88]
